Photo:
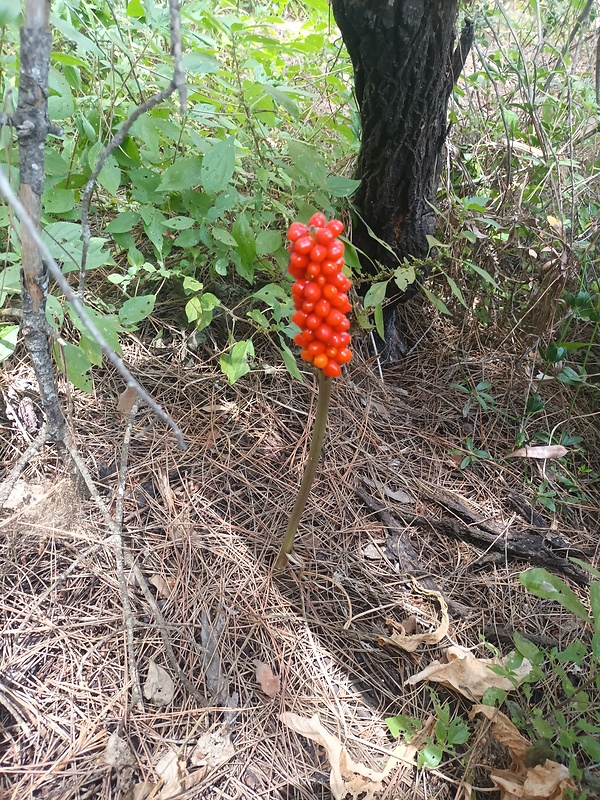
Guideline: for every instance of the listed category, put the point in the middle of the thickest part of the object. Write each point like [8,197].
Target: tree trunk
[31,121]
[405,66]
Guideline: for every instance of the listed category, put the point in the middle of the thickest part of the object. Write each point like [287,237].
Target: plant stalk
[310,469]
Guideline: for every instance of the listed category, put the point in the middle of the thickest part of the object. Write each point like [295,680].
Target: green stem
[310,469]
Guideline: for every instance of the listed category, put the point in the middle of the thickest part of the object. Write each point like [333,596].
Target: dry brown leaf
[411,641]
[118,754]
[126,400]
[469,675]
[504,731]
[172,770]
[268,681]
[213,749]
[159,687]
[347,777]
[545,451]
[162,585]
[542,782]
[140,791]
[400,496]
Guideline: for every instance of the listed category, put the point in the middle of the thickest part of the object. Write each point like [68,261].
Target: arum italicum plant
[321,302]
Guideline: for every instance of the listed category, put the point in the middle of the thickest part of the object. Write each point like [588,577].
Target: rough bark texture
[405,65]
[31,120]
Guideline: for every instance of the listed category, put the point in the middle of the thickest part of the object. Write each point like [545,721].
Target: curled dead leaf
[347,777]
[118,754]
[163,586]
[126,400]
[469,675]
[411,641]
[545,451]
[267,680]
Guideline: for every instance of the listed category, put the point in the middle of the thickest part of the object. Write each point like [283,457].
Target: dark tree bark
[32,125]
[405,66]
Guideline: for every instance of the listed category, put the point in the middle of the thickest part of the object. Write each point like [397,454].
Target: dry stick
[177,83]
[56,272]
[309,470]
[9,482]
[134,676]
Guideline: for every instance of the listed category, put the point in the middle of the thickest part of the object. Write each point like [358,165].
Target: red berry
[318,254]
[324,333]
[299,318]
[343,356]
[298,302]
[329,268]
[336,227]
[296,260]
[313,271]
[313,322]
[340,281]
[345,337]
[322,308]
[312,292]
[317,221]
[334,318]
[298,288]
[321,280]
[344,304]
[306,356]
[331,352]
[334,251]
[332,370]
[330,293]
[296,230]
[316,347]
[304,245]
[325,236]
[296,272]
[343,325]
[307,307]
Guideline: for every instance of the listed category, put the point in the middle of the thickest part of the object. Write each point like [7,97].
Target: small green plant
[476,394]
[474,454]
[565,716]
[449,731]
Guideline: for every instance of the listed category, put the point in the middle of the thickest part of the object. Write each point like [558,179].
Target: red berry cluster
[319,293]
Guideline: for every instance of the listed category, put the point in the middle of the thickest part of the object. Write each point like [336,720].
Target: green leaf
[456,291]
[484,274]
[402,724]
[437,302]
[430,756]
[179,223]
[281,97]
[289,360]
[375,294]
[591,745]
[267,242]
[218,165]
[9,335]
[309,164]
[135,9]
[235,363]
[338,186]
[404,275]
[458,732]
[200,63]
[543,584]
[525,647]
[74,361]
[9,12]
[58,201]
[184,174]
[136,309]
[223,236]
[246,246]
[199,310]
[378,317]
[123,222]
[110,175]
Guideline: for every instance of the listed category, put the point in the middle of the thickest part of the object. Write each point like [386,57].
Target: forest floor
[204,527]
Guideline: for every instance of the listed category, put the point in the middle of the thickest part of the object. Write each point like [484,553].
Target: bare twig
[9,483]
[114,359]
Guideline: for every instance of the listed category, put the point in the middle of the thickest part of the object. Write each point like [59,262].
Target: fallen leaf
[545,451]
[162,585]
[504,731]
[172,770]
[400,496]
[547,781]
[126,400]
[411,641]
[269,682]
[23,493]
[213,749]
[118,754]
[140,791]
[469,675]
[347,777]
[159,687]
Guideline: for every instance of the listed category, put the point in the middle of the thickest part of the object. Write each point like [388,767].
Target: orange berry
[321,361]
